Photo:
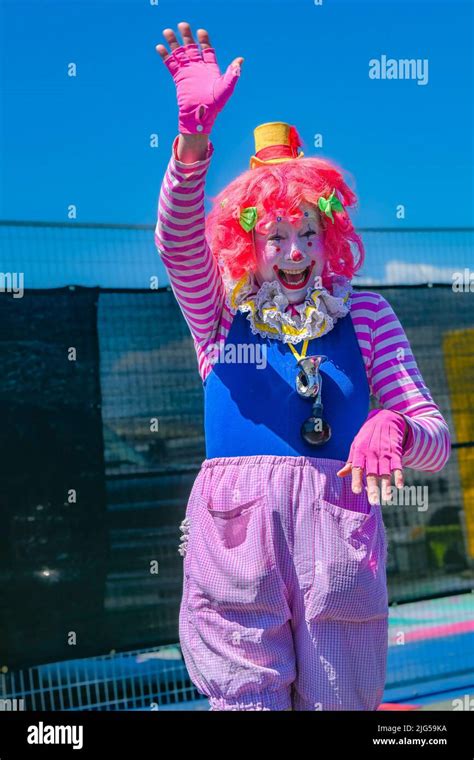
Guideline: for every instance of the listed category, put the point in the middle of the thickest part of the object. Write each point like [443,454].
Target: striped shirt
[392,372]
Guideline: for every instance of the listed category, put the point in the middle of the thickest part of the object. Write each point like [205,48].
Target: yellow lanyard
[303,353]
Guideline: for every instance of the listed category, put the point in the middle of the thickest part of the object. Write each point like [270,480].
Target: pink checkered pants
[284,598]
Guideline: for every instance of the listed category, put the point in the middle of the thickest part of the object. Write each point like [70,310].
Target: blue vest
[252,407]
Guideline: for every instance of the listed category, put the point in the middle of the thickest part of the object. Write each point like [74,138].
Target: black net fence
[102,438]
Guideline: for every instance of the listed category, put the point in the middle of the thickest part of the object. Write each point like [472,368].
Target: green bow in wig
[248,218]
[328,205]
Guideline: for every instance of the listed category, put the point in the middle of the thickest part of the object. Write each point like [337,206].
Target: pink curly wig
[284,187]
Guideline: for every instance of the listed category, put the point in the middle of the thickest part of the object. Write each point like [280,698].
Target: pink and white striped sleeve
[192,269]
[396,382]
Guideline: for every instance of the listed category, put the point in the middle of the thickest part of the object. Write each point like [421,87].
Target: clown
[285,601]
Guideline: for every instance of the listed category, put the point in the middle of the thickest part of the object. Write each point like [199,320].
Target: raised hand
[201,90]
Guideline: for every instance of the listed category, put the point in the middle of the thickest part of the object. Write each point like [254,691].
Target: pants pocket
[232,567]
[231,521]
[348,565]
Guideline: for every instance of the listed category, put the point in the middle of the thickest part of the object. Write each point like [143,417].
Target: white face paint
[292,255]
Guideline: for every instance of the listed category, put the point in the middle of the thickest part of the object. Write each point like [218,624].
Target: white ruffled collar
[266,308]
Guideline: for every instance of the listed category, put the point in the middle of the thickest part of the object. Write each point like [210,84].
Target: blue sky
[85,140]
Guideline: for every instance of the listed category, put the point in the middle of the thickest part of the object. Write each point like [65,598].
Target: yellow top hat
[275,142]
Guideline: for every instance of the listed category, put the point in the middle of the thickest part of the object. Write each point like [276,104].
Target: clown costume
[285,600]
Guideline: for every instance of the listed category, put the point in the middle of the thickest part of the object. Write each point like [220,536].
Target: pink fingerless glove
[202,91]
[378,446]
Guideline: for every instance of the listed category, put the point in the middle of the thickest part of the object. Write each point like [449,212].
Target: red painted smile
[294,279]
